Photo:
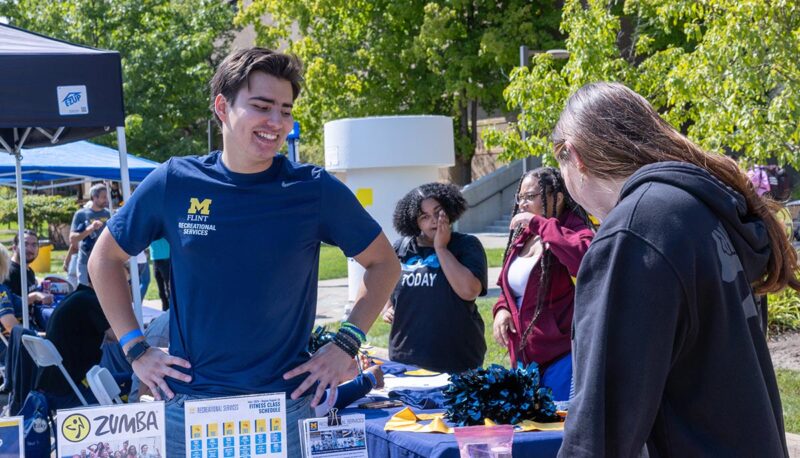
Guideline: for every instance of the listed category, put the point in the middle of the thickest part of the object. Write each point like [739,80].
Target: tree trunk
[474,121]
[461,172]
[59,235]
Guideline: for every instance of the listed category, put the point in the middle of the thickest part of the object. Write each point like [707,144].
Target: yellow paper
[406,420]
[421,373]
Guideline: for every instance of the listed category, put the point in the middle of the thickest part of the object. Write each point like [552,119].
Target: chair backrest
[43,352]
[103,386]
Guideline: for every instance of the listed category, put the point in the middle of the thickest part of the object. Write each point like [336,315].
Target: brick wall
[485,161]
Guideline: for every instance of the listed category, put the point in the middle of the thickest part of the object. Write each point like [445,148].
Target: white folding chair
[45,354]
[103,386]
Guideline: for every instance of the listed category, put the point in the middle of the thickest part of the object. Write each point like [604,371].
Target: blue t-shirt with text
[245,258]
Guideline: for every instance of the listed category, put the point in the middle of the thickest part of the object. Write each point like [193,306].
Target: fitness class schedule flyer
[242,426]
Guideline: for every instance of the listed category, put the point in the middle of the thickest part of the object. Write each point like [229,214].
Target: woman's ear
[575,157]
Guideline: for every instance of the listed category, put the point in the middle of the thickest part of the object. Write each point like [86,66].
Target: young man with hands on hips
[244,227]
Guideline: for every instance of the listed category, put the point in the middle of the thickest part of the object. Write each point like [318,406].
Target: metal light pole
[524,61]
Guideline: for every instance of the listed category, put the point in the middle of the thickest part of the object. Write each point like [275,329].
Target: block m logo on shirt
[203,207]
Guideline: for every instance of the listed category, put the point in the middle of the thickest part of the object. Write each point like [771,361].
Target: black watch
[136,351]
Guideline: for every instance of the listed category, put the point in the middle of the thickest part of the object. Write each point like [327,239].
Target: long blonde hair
[5,263]
[615,131]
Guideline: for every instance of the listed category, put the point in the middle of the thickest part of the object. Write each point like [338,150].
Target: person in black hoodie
[670,355]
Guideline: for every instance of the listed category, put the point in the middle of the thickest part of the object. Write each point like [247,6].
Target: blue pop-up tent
[54,92]
[72,160]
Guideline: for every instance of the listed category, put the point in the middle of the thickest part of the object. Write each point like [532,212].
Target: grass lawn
[789,384]
[333,264]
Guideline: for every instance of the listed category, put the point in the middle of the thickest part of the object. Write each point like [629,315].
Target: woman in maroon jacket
[549,235]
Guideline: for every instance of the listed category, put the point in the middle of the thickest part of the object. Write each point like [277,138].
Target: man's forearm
[76,237]
[107,273]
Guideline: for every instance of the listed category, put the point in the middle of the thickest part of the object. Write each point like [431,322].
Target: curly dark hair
[408,208]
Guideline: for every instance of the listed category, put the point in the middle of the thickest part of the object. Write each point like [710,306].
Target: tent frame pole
[23,261]
[126,194]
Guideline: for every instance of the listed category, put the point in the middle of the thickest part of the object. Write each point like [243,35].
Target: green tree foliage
[40,211]
[382,57]
[723,71]
[169,51]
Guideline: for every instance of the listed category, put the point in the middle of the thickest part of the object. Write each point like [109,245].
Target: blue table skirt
[392,444]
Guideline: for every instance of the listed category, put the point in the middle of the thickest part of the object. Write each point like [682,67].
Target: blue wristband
[371,378]
[130,336]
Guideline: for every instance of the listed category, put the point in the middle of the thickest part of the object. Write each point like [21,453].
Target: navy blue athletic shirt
[245,254]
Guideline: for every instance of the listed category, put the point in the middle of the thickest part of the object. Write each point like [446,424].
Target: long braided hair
[550,184]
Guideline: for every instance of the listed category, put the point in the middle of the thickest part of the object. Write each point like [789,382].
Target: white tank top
[518,273]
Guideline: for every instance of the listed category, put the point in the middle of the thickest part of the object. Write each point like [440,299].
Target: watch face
[136,351]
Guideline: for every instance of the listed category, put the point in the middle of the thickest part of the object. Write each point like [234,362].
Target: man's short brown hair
[26,232]
[236,68]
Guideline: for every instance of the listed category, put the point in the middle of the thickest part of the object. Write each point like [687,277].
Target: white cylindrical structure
[382,158]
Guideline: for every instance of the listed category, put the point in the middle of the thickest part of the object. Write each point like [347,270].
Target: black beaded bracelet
[346,348]
[340,341]
[352,343]
[350,338]
[352,334]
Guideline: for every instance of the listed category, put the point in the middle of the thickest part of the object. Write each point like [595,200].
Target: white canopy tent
[55,92]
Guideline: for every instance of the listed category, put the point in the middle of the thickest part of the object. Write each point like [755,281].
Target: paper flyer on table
[112,428]
[348,439]
[242,426]
[12,437]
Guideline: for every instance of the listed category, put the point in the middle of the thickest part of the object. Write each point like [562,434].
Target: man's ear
[221,107]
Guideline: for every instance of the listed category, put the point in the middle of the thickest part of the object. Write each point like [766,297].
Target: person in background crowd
[670,354]
[77,329]
[10,303]
[435,322]
[70,264]
[159,252]
[143,261]
[758,176]
[14,281]
[116,194]
[87,224]
[549,235]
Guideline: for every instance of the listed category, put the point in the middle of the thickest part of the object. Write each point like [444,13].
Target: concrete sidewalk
[793,444]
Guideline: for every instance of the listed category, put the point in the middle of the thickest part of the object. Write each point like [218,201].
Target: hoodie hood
[747,232]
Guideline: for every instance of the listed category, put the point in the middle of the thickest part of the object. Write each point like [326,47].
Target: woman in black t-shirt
[435,322]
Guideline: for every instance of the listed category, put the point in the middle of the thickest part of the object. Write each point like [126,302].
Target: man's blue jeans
[176,445]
